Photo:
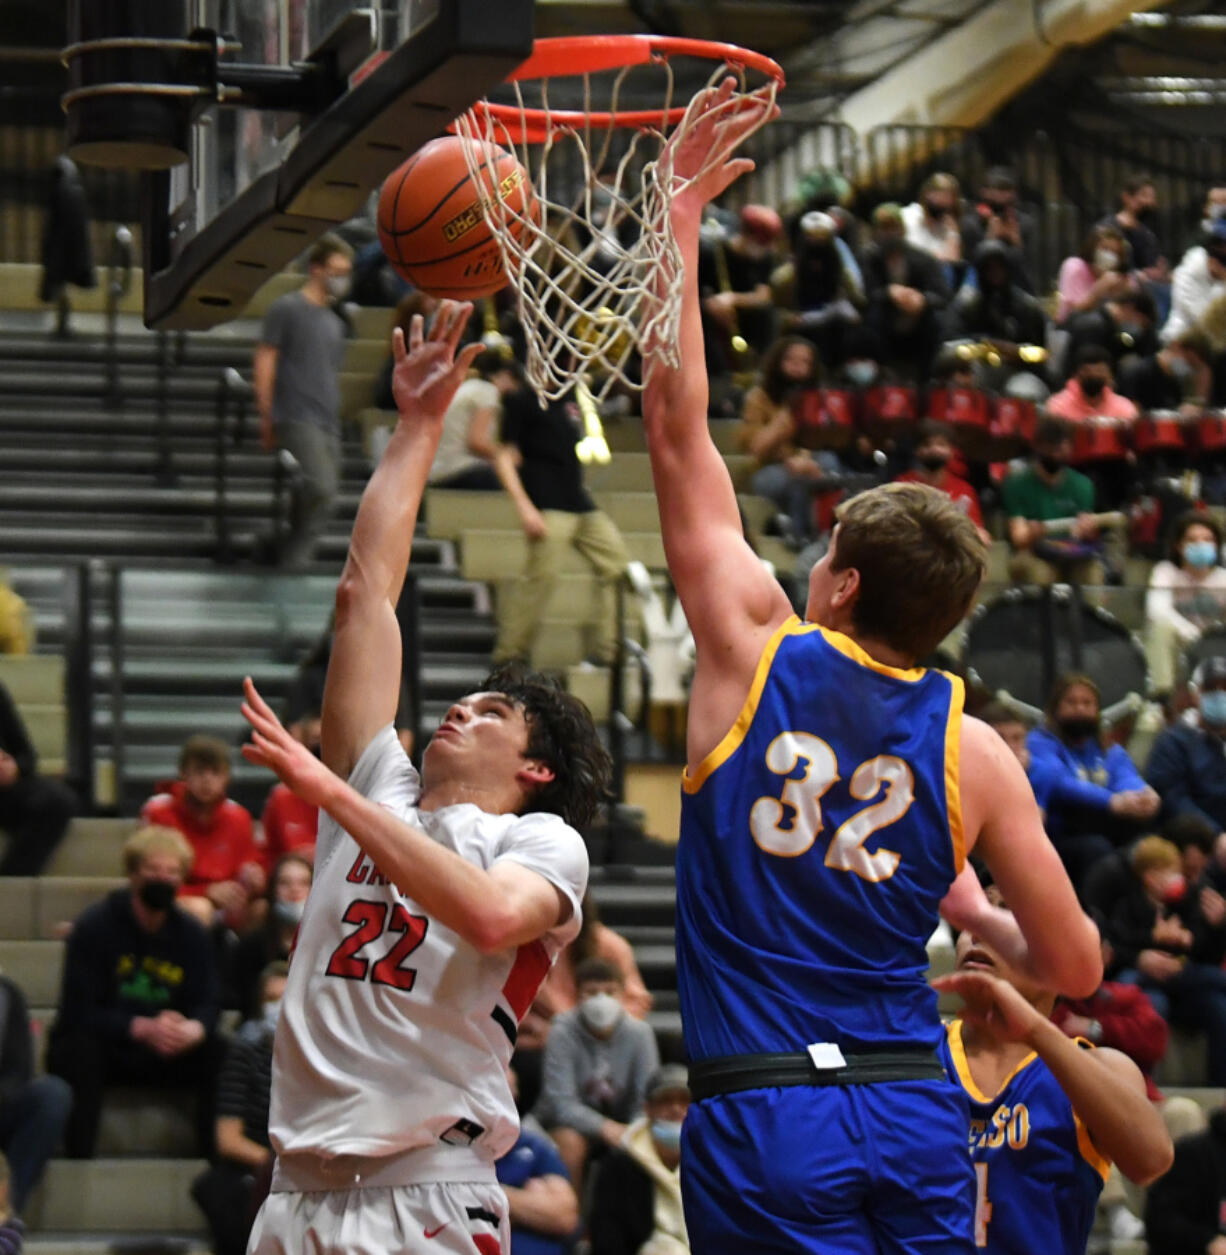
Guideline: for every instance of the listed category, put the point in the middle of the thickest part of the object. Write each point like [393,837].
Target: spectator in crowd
[33,1109]
[468,449]
[1187,762]
[34,810]
[306,690]
[992,305]
[225,874]
[820,291]
[906,293]
[290,825]
[931,223]
[1094,795]
[1183,1208]
[16,625]
[783,472]
[228,1191]
[1177,376]
[271,940]
[1199,281]
[67,255]
[597,1062]
[1049,506]
[1187,593]
[636,1197]
[1099,273]
[12,1229]
[1012,728]
[1123,325]
[138,995]
[1159,944]
[1088,392]
[297,388]
[1138,210]
[997,216]
[552,478]
[542,1203]
[734,279]
[934,447]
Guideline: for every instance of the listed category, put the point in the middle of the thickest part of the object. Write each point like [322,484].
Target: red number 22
[370,918]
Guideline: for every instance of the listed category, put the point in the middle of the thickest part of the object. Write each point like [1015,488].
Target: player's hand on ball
[991,1004]
[427,371]
[272,746]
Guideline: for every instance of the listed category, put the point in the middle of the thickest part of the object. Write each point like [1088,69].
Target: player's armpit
[1002,822]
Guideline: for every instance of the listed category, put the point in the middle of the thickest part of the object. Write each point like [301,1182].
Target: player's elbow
[354,593]
[1149,1158]
[1080,970]
[493,931]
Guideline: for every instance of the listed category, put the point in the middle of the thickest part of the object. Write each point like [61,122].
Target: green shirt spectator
[1029,495]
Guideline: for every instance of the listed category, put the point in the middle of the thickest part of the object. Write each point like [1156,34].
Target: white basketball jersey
[394,1031]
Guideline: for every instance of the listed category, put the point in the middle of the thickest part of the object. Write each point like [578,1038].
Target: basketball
[431,224]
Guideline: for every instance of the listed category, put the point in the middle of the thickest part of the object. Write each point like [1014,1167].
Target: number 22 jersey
[817,842]
[394,1032]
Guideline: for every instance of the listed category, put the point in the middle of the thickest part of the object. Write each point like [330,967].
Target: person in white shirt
[1187,592]
[439,903]
[1199,281]
[469,449]
[931,221]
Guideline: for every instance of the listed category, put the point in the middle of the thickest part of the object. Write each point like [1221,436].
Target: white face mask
[1106,258]
[271,1013]
[600,1012]
[337,286]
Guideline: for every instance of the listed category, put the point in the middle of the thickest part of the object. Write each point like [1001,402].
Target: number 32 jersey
[817,841]
[394,1032]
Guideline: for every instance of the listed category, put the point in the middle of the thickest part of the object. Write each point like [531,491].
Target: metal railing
[118,281]
[233,395]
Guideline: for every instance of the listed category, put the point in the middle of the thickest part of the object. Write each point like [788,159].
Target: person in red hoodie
[934,451]
[227,872]
[289,823]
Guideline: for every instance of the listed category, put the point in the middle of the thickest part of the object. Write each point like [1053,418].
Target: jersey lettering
[370,918]
[983,1208]
[802,795]
[1008,1124]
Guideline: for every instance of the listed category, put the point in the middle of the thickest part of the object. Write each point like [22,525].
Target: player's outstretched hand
[427,371]
[272,747]
[703,151]
[991,1004]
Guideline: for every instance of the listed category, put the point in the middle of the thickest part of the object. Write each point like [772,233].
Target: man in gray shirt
[598,1060]
[297,388]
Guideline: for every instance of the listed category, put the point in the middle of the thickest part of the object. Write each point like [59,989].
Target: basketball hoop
[594,262]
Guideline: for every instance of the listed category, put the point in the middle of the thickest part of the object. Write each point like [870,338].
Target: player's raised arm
[1061,945]
[363,687]
[730,601]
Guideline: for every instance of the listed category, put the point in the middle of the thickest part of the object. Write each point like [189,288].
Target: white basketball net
[598,276]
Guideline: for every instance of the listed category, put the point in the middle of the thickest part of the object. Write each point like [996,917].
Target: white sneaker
[1124,1226]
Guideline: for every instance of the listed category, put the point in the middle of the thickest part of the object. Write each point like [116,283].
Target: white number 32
[846,852]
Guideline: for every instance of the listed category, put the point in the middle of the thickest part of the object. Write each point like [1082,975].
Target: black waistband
[732,1073]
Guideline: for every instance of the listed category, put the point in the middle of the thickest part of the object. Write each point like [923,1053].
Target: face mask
[600,1012]
[861,373]
[1106,259]
[935,210]
[933,461]
[1200,553]
[1216,212]
[1174,889]
[1050,464]
[1077,729]
[337,286]
[1213,708]
[272,1012]
[1093,385]
[890,244]
[1182,370]
[1147,216]
[288,912]
[667,1133]
[157,895]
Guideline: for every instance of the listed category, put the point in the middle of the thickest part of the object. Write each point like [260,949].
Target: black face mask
[1051,464]
[934,210]
[933,461]
[1077,729]
[1093,386]
[157,895]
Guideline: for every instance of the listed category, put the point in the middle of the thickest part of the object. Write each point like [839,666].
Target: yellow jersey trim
[846,646]
[958,1053]
[1089,1152]
[953,771]
[791,626]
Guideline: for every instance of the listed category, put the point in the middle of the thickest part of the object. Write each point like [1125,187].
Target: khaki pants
[521,610]
[1025,568]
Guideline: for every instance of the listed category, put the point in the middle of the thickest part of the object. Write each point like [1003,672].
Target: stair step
[117,1195]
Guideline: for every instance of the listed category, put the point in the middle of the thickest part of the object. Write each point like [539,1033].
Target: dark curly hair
[561,733]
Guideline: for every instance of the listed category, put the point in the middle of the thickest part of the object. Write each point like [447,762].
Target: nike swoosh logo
[433,1233]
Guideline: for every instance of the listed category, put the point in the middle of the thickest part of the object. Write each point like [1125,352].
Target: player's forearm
[458,894]
[382,537]
[1124,1125]
[508,477]
[544,1205]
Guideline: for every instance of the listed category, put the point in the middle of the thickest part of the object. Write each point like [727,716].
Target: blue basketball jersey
[1039,1175]
[817,841]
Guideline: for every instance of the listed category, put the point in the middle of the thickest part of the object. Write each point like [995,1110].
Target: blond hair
[156,839]
[920,561]
[1155,854]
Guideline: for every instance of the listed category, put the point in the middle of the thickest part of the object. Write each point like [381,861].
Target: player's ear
[846,588]
[535,773]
